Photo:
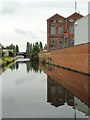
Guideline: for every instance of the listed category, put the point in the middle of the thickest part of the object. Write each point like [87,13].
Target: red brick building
[60,31]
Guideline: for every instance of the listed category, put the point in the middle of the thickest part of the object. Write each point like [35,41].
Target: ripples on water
[30,90]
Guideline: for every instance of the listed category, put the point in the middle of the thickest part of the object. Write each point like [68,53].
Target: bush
[34,53]
[11,54]
[44,60]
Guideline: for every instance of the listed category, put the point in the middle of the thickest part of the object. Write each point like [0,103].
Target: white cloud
[9,7]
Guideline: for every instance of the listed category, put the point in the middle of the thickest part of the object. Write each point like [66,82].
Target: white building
[82,32]
[6,51]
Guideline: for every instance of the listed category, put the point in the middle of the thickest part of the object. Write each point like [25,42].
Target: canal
[30,90]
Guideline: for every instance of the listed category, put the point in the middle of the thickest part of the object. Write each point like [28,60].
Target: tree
[17,48]
[34,53]
[33,45]
[40,45]
[37,44]
[28,47]
[11,54]
[45,47]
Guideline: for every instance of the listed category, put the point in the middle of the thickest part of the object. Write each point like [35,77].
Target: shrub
[11,54]
[34,53]
[43,60]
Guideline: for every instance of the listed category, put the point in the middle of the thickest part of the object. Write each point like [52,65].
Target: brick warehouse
[60,31]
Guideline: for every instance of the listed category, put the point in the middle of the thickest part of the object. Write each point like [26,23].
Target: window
[60,43]
[71,20]
[53,44]
[71,30]
[71,42]
[52,22]
[53,30]
[60,90]
[53,90]
[60,21]
[60,30]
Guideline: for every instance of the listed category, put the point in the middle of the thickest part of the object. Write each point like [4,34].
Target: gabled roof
[55,16]
[76,14]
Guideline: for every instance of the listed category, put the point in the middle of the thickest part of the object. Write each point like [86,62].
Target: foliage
[17,48]
[45,47]
[40,45]
[11,47]
[28,47]
[34,53]
[11,54]
[44,60]
[35,66]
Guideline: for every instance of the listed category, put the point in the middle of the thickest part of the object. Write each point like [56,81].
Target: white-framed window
[60,30]
[53,30]
[71,30]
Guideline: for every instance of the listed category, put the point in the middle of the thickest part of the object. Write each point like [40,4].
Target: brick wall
[72,81]
[75,57]
[57,17]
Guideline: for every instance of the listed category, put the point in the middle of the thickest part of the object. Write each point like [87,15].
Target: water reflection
[58,96]
[62,89]
[69,87]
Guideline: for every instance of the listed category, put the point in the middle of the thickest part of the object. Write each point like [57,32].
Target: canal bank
[74,58]
[6,60]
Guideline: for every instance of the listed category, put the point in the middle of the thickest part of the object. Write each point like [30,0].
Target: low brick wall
[75,57]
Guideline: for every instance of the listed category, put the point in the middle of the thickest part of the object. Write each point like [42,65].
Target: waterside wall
[76,57]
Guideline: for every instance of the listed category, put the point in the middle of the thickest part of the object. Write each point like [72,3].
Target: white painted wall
[81,30]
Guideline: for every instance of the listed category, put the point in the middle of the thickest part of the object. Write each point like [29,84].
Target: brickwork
[75,57]
[65,24]
[72,81]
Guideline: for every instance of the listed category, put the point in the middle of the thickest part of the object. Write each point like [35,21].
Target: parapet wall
[75,57]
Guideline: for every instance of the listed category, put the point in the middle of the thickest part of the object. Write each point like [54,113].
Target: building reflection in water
[57,96]
[63,86]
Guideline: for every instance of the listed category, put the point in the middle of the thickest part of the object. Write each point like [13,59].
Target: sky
[23,21]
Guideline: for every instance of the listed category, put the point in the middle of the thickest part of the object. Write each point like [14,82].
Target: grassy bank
[6,60]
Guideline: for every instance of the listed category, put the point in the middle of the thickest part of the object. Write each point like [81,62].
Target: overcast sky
[26,20]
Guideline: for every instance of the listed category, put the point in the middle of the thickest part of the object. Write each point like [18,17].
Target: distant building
[6,52]
[82,32]
[60,31]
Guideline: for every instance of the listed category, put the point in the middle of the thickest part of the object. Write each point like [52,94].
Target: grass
[6,60]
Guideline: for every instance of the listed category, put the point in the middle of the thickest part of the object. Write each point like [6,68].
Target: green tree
[33,45]
[37,44]
[17,48]
[28,47]
[40,45]
[45,47]
[11,54]
[34,53]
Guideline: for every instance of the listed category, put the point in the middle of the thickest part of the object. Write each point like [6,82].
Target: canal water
[30,90]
